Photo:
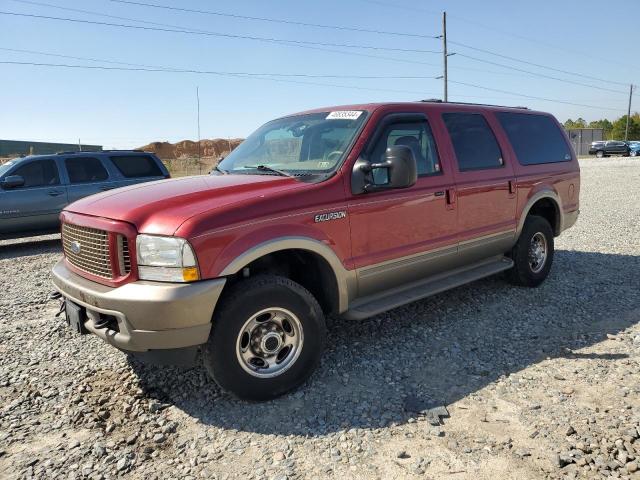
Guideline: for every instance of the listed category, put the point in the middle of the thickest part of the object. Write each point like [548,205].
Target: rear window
[134,166]
[536,139]
[473,140]
[85,169]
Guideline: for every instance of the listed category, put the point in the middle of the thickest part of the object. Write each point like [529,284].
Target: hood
[161,207]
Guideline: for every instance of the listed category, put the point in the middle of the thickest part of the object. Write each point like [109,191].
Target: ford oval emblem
[75,247]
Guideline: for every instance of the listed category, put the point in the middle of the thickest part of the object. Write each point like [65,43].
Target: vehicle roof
[423,104]
[84,153]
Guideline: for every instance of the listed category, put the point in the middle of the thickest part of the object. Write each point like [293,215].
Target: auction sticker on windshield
[344,115]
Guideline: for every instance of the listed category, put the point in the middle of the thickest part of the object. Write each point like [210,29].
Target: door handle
[451,198]
[55,193]
[439,193]
[512,187]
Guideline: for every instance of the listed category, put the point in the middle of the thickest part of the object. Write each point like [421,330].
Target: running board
[375,304]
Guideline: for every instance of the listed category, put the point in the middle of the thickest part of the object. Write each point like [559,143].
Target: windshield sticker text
[344,115]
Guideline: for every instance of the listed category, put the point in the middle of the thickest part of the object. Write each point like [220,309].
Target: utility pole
[198,104]
[626,131]
[444,50]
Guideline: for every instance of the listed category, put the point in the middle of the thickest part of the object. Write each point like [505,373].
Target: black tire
[239,304]
[600,154]
[523,272]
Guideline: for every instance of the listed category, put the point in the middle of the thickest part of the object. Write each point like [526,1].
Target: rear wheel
[533,253]
[633,153]
[267,338]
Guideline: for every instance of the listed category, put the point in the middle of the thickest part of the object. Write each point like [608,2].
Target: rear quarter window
[136,166]
[536,139]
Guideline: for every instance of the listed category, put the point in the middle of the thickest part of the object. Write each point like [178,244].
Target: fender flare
[345,279]
[542,194]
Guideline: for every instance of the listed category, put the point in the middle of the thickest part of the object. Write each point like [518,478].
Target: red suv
[348,210]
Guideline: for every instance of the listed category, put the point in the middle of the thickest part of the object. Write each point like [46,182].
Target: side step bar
[375,304]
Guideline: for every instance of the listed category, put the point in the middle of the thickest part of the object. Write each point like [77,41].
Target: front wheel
[600,154]
[267,338]
[633,153]
[533,253]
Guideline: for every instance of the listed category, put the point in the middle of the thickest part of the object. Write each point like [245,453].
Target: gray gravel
[537,383]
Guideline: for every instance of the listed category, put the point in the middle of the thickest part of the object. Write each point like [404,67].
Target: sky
[126,109]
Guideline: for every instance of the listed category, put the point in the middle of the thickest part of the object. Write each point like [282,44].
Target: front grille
[87,249]
[126,258]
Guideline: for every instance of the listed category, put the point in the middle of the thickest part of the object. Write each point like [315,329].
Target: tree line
[612,130]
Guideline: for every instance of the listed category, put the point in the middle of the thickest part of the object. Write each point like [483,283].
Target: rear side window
[473,140]
[134,166]
[536,139]
[84,170]
[39,173]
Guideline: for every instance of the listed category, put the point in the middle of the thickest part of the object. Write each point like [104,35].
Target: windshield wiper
[218,169]
[267,168]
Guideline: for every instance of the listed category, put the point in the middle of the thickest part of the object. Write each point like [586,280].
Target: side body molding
[551,195]
[345,279]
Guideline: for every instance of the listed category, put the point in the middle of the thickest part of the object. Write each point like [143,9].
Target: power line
[359,54]
[494,29]
[533,97]
[341,52]
[559,70]
[181,70]
[542,75]
[272,20]
[220,34]
[262,76]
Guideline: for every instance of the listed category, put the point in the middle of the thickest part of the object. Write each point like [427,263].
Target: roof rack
[437,100]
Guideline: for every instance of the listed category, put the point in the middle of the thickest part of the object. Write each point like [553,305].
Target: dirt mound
[186,148]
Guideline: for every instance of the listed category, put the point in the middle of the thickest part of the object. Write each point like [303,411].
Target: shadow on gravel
[439,350]
[30,248]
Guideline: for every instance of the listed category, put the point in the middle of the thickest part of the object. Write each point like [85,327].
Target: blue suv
[34,189]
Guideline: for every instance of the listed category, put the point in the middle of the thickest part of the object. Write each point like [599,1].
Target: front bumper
[149,315]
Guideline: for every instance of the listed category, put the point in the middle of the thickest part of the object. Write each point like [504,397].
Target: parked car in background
[350,210]
[35,189]
[634,148]
[610,147]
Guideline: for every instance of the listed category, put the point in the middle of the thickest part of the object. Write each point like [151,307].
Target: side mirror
[401,171]
[12,181]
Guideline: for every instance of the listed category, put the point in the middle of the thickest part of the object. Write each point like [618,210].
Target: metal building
[581,138]
[20,148]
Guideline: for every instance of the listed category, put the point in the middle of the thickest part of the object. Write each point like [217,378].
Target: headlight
[166,259]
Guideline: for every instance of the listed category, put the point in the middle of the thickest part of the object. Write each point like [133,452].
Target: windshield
[4,168]
[302,144]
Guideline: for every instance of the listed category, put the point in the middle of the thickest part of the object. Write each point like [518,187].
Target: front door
[399,236]
[35,206]
[485,184]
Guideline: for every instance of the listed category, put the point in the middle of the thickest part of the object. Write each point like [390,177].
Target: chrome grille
[93,253]
[125,255]
[124,258]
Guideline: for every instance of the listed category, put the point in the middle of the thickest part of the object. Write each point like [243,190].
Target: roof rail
[437,100]
[124,150]
[77,151]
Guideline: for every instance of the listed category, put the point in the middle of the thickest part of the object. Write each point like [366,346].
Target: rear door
[137,168]
[86,176]
[35,206]
[485,186]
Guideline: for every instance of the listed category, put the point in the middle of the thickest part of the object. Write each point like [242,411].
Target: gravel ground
[537,383]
